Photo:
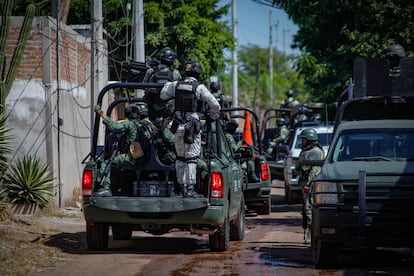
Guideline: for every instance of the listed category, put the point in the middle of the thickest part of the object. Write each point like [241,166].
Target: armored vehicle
[257,188]
[144,197]
[364,194]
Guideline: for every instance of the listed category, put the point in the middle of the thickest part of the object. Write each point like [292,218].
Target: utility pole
[270,58]
[139,49]
[235,93]
[97,53]
[284,40]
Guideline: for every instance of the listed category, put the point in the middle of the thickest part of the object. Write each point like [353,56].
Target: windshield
[324,140]
[375,145]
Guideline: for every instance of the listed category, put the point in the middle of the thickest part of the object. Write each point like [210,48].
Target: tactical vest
[162,75]
[186,98]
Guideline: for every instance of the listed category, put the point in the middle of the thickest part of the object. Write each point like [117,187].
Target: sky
[253,25]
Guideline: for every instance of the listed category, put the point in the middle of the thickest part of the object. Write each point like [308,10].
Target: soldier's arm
[168,90]
[211,101]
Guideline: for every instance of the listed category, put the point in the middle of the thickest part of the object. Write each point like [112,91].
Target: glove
[98,109]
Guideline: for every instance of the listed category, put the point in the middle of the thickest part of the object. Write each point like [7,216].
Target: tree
[332,34]
[254,79]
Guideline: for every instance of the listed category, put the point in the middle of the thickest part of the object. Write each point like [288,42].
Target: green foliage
[334,33]
[254,78]
[28,181]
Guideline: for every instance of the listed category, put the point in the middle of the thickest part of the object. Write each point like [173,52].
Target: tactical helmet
[231,126]
[290,93]
[132,112]
[394,50]
[143,111]
[192,68]
[309,134]
[280,121]
[214,86]
[167,56]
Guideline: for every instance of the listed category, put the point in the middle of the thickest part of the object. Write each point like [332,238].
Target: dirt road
[273,245]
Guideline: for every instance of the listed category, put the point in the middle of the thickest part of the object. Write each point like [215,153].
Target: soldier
[394,53]
[135,138]
[165,138]
[190,96]
[289,102]
[248,163]
[161,74]
[282,136]
[311,150]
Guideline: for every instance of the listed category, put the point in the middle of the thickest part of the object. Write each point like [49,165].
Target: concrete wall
[39,99]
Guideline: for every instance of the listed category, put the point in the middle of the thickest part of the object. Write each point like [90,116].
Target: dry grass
[31,244]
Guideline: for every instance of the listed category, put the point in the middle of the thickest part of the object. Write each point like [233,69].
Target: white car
[292,188]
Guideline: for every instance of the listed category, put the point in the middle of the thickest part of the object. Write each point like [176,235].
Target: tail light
[217,185]
[264,171]
[87,179]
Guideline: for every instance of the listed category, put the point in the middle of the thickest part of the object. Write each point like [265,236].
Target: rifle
[108,165]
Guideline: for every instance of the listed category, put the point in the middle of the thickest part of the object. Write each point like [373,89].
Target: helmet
[143,111]
[167,56]
[231,126]
[280,121]
[132,112]
[310,134]
[290,93]
[192,68]
[394,50]
[214,86]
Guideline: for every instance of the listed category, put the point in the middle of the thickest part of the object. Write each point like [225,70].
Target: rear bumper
[162,211]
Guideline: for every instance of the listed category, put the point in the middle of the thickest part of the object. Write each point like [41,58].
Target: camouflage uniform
[188,153]
[312,151]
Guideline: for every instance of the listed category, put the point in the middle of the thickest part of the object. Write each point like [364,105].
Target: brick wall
[74,56]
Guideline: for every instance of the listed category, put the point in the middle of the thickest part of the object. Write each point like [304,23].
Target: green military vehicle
[144,198]
[365,192]
[257,188]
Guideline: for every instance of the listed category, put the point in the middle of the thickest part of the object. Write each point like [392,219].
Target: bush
[28,181]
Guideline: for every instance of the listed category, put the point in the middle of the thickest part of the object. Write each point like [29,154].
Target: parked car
[292,189]
[364,195]
[144,196]
[256,192]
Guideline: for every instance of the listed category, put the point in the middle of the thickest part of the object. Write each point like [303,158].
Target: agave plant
[28,181]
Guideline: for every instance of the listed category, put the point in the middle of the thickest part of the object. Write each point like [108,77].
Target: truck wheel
[266,208]
[97,236]
[324,254]
[239,224]
[121,232]
[219,241]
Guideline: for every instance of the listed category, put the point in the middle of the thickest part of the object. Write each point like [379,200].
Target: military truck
[365,192]
[144,197]
[257,193]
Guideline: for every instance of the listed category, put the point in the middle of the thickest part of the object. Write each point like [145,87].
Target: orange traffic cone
[247,132]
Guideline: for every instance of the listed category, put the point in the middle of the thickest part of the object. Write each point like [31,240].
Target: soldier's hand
[98,109]
[306,189]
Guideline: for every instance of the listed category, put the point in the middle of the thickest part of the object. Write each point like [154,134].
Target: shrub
[28,181]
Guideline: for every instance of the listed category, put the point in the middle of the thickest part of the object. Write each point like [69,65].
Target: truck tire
[121,232]
[97,236]
[265,208]
[239,224]
[219,241]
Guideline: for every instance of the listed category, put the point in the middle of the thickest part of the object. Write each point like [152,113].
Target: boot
[191,193]
[103,192]
[252,178]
